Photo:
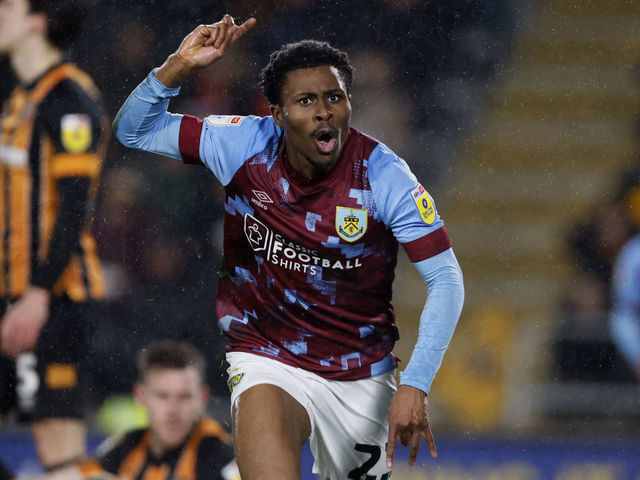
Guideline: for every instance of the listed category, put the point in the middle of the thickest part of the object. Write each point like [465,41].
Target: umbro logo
[261,199]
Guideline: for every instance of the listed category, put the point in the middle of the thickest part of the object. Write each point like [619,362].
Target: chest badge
[351,223]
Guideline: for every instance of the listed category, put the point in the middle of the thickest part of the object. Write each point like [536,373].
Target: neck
[306,168]
[156,447]
[33,57]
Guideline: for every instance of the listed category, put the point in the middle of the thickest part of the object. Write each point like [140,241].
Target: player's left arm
[72,122]
[408,209]
[408,415]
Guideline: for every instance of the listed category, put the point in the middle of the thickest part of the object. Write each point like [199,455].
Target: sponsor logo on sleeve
[351,223]
[75,132]
[424,204]
[224,120]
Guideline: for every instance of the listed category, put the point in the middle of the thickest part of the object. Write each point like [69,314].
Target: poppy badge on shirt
[351,223]
[424,204]
[75,132]
[223,120]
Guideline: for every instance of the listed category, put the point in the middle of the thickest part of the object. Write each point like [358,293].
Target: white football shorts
[349,424]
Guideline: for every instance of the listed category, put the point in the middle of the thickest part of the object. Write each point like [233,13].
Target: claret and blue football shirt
[309,265]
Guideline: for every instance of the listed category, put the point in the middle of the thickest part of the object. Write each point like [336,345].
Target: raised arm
[143,121]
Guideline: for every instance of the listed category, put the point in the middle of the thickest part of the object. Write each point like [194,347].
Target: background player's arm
[75,165]
[625,313]
[23,322]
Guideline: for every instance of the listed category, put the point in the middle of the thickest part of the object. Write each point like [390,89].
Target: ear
[276,111]
[39,23]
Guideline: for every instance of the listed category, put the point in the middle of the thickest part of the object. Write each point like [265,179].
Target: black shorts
[47,383]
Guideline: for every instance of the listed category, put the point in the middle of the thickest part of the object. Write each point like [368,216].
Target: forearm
[438,320]
[174,71]
[144,123]
[74,194]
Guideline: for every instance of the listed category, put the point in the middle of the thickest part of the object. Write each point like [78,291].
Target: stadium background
[520,117]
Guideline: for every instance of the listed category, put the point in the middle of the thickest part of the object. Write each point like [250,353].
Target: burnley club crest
[351,223]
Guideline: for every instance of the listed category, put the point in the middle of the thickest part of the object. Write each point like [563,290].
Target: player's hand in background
[23,322]
[408,421]
[203,46]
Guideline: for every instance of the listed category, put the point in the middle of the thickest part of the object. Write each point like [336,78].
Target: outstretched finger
[391,445]
[244,28]
[415,446]
[428,436]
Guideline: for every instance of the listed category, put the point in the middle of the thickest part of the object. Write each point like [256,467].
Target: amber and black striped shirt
[53,136]
[205,455]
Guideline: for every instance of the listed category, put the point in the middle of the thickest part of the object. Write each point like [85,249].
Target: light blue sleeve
[225,146]
[225,141]
[439,318]
[143,122]
[395,194]
[624,321]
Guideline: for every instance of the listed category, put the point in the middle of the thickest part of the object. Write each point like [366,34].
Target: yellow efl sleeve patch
[424,204]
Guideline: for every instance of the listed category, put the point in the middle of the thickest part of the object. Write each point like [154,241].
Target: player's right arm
[143,122]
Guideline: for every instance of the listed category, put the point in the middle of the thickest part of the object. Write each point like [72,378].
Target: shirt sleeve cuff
[157,88]
[411,381]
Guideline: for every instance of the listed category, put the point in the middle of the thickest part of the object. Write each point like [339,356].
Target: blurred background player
[52,143]
[315,211]
[625,312]
[179,443]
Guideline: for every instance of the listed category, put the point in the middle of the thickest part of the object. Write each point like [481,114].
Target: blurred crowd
[421,67]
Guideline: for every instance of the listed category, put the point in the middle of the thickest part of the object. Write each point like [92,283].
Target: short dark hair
[302,54]
[64,19]
[169,354]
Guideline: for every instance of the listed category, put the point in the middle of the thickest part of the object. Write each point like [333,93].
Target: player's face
[174,399]
[315,114]
[15,23]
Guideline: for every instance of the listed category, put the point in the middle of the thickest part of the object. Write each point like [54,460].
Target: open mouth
[326,139]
